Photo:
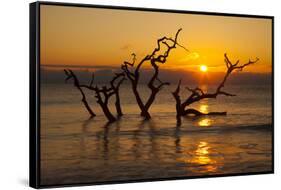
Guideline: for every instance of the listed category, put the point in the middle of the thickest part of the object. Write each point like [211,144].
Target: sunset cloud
[190,56]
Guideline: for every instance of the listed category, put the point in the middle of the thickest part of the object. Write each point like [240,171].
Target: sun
[203,68]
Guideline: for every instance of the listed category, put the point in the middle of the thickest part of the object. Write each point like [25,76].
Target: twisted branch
[102,94]
[70,75]
[198,94]
[154,84]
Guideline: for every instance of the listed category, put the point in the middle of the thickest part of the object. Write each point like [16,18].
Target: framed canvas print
[120,94]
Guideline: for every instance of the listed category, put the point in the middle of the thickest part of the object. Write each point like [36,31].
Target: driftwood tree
[103,94]
[70,75]
[198,94]
[115,85]
[158,56]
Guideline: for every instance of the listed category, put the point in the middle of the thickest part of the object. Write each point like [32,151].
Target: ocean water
[76,149]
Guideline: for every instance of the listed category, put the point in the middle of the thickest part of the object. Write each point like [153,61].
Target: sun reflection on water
[205,122]
[202,157]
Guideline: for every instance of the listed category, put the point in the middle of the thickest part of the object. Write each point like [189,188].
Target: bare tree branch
[198,94]
[158,55]
[92,80]
[102,94]
[115,85]
[70,75]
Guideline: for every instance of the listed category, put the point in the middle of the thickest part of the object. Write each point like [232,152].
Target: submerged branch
[198,94]
[70,75]
[132,71]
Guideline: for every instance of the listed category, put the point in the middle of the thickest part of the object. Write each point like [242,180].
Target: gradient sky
[104,38]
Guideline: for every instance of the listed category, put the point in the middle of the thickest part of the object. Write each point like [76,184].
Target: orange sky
[76,36]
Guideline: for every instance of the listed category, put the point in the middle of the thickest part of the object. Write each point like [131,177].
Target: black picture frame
[34,98]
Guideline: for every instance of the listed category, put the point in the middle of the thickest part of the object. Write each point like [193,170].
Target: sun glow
[203,68]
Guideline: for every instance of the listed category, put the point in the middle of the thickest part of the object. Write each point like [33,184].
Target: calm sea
[252,105]
[75,149]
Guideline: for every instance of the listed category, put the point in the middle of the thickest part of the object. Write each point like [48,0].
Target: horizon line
[108,67]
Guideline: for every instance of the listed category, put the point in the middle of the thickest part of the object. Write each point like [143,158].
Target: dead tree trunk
[115,85]
[154,84]
[104,103]
[198,94]
[70,75]
[102,94]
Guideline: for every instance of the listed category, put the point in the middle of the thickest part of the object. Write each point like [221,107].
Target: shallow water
[75,149]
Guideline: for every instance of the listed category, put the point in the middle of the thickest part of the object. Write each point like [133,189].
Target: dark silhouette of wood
[106,93]
[102,94]
[115,84]
[198,94]
[70,75]
[158,56]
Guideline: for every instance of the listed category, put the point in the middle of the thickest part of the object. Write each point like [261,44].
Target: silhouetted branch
[191,111]
[198,94]
[92,80]
[115,84]
[126,70]
[102,94]
[161,84]
[179,107]
[70,75]
[133,60]
[154,84]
